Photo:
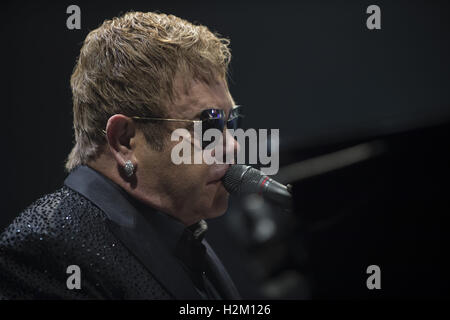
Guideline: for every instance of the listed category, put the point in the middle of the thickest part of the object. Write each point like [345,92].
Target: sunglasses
[210,119]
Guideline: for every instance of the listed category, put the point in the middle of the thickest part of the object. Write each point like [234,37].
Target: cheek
[193,175]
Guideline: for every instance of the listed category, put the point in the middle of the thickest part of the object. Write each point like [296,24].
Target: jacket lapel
[228,289]
[128,225]
[141,241]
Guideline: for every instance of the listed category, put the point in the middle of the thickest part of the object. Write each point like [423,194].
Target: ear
[120,130]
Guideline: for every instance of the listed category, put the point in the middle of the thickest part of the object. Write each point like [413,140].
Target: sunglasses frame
[208,114]
[204,113]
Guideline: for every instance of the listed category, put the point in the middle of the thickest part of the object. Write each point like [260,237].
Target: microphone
[241,179]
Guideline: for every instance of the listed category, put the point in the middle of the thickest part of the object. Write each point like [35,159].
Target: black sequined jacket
[90,224]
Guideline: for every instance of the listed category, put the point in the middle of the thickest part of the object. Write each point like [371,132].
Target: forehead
[193,96]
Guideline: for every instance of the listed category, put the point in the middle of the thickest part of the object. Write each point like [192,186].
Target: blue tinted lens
[234,123]
[218,124]
[212,114]
[215,119]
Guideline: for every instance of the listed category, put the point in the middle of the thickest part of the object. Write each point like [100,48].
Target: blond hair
[128,66]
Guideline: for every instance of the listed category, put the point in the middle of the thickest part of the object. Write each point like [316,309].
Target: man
[128,222]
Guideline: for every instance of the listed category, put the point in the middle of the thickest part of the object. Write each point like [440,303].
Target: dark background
[311,69]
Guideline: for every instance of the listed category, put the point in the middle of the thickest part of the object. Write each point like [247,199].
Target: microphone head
[241,179]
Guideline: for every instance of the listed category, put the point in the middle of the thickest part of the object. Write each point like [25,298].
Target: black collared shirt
[186,243]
